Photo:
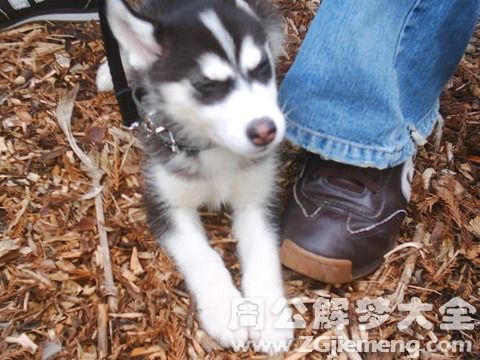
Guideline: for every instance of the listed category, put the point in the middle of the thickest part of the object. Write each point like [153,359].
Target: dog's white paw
[104,79]
[215,318]
[277,333]
[272,341]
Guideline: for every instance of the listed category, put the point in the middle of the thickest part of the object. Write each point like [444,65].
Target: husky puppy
[206,68]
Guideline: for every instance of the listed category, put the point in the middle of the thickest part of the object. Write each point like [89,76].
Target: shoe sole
[321,268]
[66,17]
[317,267]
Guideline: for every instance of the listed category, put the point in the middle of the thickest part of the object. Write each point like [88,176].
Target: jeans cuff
[351,153]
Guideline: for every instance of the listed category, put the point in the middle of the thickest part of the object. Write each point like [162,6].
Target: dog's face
[208,65]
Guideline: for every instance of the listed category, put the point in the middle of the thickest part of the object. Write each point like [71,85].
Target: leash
[123,92]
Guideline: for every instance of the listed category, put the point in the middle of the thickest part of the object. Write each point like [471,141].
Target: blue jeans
[364,87]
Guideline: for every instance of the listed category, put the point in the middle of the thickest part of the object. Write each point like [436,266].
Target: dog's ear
[272,20]
[134,32]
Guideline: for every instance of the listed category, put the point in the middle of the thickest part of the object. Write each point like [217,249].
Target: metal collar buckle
[148,125]
[150,128]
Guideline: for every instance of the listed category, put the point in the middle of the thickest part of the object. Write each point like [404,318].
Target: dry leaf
[24,117]
[426,177]
[24,341]
[86,223]
[96,134]
[145,351]
[135,264]
[474,226]
[7,245]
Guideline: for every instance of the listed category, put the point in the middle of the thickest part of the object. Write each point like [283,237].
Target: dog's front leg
[258,250]
[205,275]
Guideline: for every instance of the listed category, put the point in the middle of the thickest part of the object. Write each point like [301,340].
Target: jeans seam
[403,31]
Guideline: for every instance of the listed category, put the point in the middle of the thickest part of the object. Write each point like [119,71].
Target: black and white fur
[207,68]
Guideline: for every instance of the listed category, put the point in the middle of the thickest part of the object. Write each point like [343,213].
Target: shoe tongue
[350,178]
[349,184]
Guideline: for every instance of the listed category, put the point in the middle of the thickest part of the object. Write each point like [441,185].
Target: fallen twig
[64,115]
[397,297]
[19,214]
[102,338]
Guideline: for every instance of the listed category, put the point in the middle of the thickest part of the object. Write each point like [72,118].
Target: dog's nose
[261,132]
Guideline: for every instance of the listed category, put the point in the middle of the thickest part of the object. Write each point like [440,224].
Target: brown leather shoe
[342,219]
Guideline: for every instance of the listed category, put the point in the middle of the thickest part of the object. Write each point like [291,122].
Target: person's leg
[371,71]
[17,12]
[363,92]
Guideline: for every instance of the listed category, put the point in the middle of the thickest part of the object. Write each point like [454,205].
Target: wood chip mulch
[54,302]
